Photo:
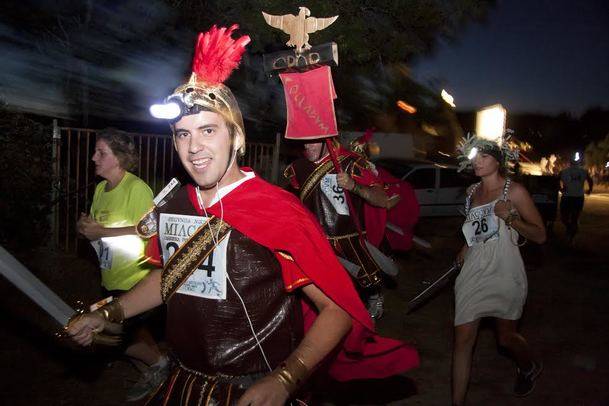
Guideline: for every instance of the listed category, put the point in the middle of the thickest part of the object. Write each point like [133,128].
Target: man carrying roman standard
[250,326]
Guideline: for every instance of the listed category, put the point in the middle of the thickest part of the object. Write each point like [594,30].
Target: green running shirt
[122,259]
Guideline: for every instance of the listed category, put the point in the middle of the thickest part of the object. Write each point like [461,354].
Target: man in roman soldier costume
[256,298]
[390,228]
[315,180]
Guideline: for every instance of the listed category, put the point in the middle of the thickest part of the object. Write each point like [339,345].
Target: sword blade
[385,263]
[423,243]
[400,231]
[29,284]
[394,228]
[432,289]
[352,268]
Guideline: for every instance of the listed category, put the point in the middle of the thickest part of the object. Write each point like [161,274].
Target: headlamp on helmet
[217,54]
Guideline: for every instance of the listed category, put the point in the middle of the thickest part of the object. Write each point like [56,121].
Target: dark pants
[570,209]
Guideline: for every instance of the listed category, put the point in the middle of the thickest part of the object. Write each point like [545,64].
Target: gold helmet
[365,145]
[217,54]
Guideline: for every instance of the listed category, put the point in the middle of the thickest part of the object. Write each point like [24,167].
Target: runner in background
[120,200]
[321,189]
[572,180]
[389,228]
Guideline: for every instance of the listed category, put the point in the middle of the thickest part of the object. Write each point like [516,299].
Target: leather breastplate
[214,336]
[333,223]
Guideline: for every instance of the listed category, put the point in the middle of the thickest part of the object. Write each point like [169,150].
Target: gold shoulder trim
[315,177]
[286,255]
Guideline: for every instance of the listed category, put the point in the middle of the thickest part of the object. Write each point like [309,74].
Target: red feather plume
[217,54]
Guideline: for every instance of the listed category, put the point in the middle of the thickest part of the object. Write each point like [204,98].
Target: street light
[448,98]
[406,107]
[490,123]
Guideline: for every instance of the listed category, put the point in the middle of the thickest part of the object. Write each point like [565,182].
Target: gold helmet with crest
[217,54]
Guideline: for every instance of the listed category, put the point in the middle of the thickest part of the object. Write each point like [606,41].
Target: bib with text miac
[209,280]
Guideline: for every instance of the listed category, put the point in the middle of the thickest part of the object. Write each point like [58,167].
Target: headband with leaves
[502,149]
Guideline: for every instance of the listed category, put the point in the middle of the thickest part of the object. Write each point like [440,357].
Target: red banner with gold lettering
[309,98]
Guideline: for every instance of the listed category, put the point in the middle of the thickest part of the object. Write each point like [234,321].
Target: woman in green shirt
[119,202]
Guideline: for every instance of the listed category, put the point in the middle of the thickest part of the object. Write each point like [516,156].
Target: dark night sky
[530,55]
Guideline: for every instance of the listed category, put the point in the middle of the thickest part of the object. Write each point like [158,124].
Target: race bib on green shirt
[104,253]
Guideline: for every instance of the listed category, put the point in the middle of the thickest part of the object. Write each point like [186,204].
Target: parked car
[439,188]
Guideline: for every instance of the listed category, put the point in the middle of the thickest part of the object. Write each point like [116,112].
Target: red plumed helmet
[217,54]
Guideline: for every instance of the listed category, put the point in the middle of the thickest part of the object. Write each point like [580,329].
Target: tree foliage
[372,37]
[366,31]
[25,176]
[561,134]
[597,154]
[101,58]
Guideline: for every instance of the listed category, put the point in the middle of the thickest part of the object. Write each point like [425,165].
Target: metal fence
[75,180]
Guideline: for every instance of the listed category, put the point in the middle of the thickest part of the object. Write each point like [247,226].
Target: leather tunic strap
[315,177]
[191,254]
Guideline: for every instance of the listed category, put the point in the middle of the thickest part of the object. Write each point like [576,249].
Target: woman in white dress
[492,281]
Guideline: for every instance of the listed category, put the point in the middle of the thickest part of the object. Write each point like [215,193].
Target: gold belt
[341,237]
[240,380]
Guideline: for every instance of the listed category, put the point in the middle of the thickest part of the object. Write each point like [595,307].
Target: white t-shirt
[573,178]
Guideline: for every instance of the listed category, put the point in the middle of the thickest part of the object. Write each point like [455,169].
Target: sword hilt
[108,340]
[113,337]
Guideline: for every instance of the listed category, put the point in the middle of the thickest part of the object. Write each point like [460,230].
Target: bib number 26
[480,226]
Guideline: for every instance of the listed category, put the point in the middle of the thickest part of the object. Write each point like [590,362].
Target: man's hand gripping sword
[44,297]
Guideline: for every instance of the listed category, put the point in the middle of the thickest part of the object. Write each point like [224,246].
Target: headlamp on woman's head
[471,146]
[472,153]
[491,150]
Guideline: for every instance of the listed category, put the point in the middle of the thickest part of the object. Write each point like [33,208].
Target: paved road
[566,321]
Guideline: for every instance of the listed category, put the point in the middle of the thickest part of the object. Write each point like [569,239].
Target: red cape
[277,220]
[404,215]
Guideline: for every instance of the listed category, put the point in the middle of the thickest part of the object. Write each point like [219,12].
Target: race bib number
[104,253]
[209,280]
[334,193]
[481,225]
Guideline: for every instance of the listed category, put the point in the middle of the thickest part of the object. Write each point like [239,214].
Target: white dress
[492,281]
